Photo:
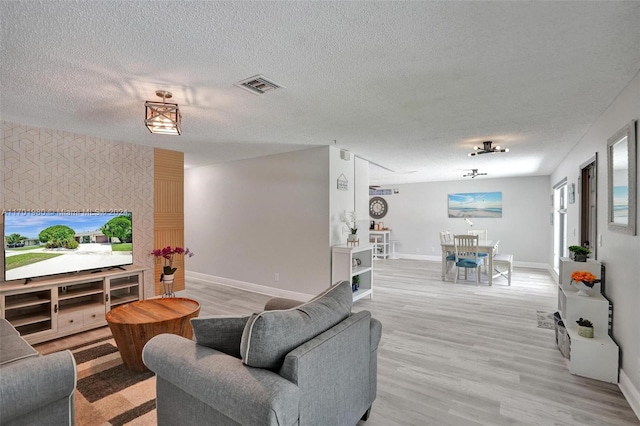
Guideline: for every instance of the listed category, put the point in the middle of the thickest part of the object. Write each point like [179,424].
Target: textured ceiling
[411,86]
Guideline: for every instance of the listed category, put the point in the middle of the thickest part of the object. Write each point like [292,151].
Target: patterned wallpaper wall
[51,170]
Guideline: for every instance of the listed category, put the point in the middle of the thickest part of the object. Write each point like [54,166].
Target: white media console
[51,307]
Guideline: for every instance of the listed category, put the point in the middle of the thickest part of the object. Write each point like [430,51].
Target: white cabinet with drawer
[52,307]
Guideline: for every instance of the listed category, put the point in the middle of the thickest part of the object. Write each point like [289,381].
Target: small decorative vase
[585,332]
[352,237]
[167,286]
[582,289]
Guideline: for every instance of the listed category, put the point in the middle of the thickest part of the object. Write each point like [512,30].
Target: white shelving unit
[383,246]
[595,357]
[51,307]
[123,289]
[342,268]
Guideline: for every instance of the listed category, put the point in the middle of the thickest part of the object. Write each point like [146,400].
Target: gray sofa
[293,364]
[34,389]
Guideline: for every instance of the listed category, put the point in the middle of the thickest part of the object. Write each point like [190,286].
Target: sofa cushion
[270,335]
[222,333]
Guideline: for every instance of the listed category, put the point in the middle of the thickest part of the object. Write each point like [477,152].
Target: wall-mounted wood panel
[168,218]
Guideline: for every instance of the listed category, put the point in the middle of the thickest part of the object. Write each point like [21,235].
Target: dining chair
[482,236]
[481,233]
[447,237]
[466,255]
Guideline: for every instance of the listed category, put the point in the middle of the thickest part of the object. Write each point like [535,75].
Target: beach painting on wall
[475,204]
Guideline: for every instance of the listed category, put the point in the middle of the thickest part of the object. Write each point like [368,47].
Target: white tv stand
[51,307]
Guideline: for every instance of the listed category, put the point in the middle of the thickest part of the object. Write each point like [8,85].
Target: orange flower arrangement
[584,276]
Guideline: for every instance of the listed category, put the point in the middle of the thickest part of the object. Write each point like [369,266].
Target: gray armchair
[328,378]
[34,389]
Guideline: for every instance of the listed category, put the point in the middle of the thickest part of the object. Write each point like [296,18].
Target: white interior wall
[252,219]
[362,195]
[340,201]
[619,252]
[419,212]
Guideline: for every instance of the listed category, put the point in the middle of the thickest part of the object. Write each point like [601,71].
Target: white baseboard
[438,258]
[532,265]
[255,288]
[630,392]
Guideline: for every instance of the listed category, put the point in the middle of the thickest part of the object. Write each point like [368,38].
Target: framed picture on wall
[475,204]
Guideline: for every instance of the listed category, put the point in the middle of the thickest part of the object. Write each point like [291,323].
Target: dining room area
[474,254]
[512,224]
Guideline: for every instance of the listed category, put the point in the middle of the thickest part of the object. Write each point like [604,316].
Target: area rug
[106,392]
[545,320]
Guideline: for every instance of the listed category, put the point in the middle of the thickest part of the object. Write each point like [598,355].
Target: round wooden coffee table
[133,324]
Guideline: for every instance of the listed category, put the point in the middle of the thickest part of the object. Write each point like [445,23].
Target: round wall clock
[378,207]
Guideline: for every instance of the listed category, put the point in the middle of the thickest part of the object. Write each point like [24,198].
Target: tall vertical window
[560,246]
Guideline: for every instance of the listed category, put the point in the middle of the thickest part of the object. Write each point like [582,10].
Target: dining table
[484,246]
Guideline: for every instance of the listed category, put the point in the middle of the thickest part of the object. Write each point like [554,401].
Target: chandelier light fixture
[486,149]
[473,174]
[162,117]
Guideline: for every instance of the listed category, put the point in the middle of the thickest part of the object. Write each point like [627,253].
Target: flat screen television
[39,243]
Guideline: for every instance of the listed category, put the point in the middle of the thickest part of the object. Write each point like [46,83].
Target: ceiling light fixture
[486,149]
[474,173]
[162,117]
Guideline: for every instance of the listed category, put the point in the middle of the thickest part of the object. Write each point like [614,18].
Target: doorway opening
[560,248]
[588,205]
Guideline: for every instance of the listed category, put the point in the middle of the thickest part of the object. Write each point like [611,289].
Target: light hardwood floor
[460,354]
[457,354]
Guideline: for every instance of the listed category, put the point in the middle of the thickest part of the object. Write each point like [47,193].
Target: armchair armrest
[376,333]
[244,394]
[31,383]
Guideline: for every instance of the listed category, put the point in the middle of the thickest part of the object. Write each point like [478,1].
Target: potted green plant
[579,253]
[585,328]
[355,283]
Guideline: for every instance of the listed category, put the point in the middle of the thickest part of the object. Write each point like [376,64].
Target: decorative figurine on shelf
[584,280]
[166,277]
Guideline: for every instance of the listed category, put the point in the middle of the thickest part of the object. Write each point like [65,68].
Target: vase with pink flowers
[167,276]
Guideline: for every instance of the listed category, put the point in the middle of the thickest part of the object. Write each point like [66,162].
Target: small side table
[134,324]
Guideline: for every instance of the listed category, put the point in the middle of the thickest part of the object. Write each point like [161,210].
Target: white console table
[48,308]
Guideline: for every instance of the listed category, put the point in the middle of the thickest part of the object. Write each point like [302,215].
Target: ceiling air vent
[258,85]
